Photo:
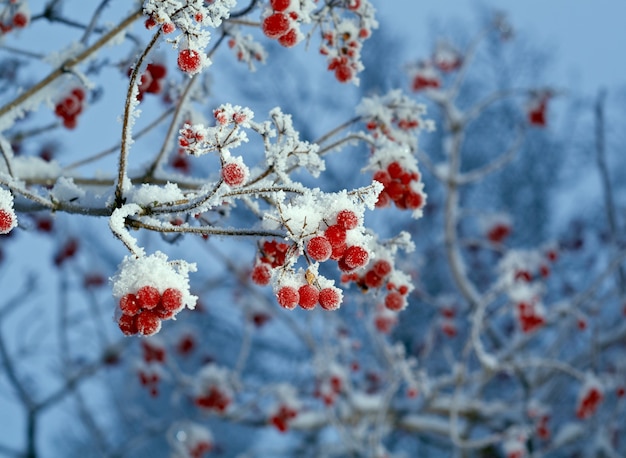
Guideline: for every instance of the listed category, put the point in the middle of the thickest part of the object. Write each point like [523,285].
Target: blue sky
[587,37]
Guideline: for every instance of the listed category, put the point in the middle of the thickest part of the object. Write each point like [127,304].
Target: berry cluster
[273,254]
[149,377]
[402,187]
[151,80]
[530,316]
[308,296]
[446,58]
[213,399]
[70,106]
[329,387]
[247,50]
[14,16]
[153,351]
[67,251]
[425,77]
[143,311]
[590,398]
[282,416]
[281,24]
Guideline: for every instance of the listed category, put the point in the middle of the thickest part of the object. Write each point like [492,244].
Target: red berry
[148,297]
[129,305]
[498,232]
[355,257]
[382,268]
[276,25]
[20,20]
[6,221]
[395,301]
[234,174]
[343,73]
[261,274]
[336,235]
[413,200]
[168,27]
[395,170]
[372,280]
[158,71]
[172,299]
[382,177]
[319,248]
[329,298]
[148,323]
[189,61]
[338,252]
[288,297]
[309,296]
[280,5]
[347,219]
[128,325]
[290,39]
[150,23]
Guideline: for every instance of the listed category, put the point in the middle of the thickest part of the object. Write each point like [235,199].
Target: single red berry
[413,200]
[395,170]
[336,235]
[309,296]
[382,177]
[355,257]
[128,325]
[373,280]
[319,248]
[7,221]
[129,305]
[234,174]
[172,299]
[190,61]
[158,71]
[168,27]
[148,297]
[290,39]
[288,297]
[382,268]
[276,25]
[148,323]
[20,20]
[329,298]
[280,5]
[347,219]
[395,301]
[150,23]
[261,274]
[338,251]
[343,73]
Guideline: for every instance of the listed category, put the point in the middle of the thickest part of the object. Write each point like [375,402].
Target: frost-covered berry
[129,305]
[330,298]
[319,248]
[168,27]
[276,25]
[309,296]
[381,268]
[148,297]
[234,173]
[190,61]
[171,299]
[280,5]
[20,20]
[336,235]
[7,221]
[347,219]
[395,301]
[128,325]
[355,257]
[289,39]
[288,297]
[148,323]
[261,274]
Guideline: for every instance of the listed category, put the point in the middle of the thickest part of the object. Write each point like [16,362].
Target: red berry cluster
[151,80]
[398,187]
[308,296]
[446,58]
[190,61]
[14,18]
[589,402]
[199,449]
[280,24]
[70,107]
[425,77]
[281,418]
[329,388]
[143,311]
[529,317]
[153,352]
[273,254]
[384,319]
[213,399]
[149,379]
